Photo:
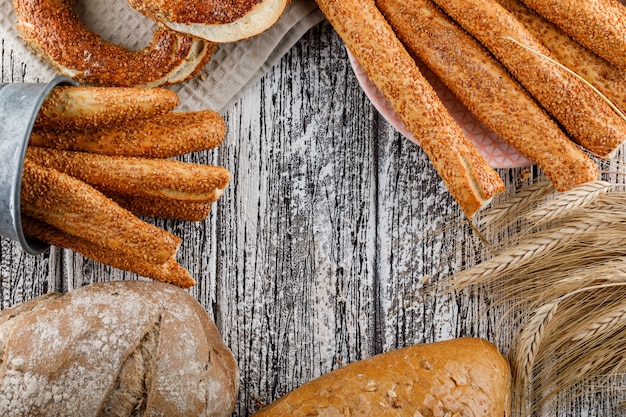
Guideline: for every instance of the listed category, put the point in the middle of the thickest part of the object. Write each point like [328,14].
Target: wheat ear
[528,342]
[515,203]
[608,322]
[526,251]
[568,201]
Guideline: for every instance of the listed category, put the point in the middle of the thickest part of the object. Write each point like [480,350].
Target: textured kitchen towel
[233,67]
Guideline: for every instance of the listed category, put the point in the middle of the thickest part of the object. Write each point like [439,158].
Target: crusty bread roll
[114,349]
[459,377]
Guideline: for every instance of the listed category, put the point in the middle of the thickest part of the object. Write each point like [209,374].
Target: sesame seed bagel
[218,21]
[54,32]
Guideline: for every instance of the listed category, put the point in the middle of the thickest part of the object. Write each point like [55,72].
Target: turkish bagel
[216,21]
[54,32]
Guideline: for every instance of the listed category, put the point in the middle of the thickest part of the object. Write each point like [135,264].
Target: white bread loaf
[130,348]
[460,377]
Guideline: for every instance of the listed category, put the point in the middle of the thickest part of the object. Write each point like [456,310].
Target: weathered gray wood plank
[296,280]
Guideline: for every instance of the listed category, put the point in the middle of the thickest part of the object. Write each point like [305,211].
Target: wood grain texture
[315,255]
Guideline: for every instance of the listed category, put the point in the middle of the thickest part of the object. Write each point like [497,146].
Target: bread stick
[163,208]
[170,271]
[599,25]
[488,90]
[604,76]
[79,210]
[165,136]
[586,117]
[70,107]
[364,30]
[137,176]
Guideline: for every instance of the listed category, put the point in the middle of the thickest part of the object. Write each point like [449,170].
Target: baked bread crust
[599,25]
[198,11]
[488,90]
[366,33]
[55,34]
[459,377]
[217,21]
[115,349]
[587,118]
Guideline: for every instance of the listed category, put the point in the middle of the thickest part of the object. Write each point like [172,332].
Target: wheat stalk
[569,201]
[515,203]
[526,251]
[604,324]
[558,363]
[603,357]
[568,281]
[565,264]
[529,341]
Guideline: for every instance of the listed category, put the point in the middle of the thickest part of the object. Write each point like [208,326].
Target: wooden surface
[316,253]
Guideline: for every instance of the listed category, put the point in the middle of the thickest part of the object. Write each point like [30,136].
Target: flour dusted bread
[114,349]
[461,377]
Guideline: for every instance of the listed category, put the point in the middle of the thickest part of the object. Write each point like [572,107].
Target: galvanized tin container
[19,105]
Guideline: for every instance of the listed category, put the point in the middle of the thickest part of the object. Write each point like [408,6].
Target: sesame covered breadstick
[599,25]
[165,136]
[586,117]
[137,176]
[80,210]
[169,271]
[71,107]
[604,76]
[163,208]
[488,90]
[366,33]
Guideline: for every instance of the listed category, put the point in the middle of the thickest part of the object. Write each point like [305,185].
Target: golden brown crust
[166,136]
[163,208]
[464,377]
[600,25]
[586,117]
[71,108]
[54,32]
[364,30]
[170,271]
[196,11]
[488,90]
[220,21]
[145,177]
[600,73]
[80,210]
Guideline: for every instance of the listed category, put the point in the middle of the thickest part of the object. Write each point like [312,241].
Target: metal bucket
[19,105]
